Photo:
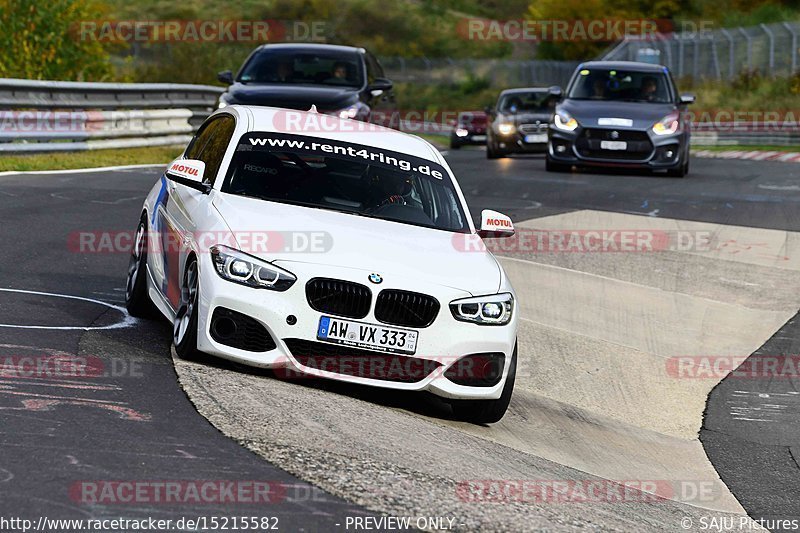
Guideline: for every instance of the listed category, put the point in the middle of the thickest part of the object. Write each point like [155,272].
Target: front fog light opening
[477,370]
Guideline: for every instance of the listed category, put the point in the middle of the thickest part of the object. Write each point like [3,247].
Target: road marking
[80,170]
[126,321]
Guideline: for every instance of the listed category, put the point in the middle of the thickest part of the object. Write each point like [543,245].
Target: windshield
[533,102]
[622,85]
[303,67]
[349,178]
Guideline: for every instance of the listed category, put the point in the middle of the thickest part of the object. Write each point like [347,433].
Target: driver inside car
[390,190]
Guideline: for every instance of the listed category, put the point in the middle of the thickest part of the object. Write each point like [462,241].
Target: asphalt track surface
[135,422]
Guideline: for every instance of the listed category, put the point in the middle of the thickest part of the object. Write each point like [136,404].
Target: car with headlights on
[519,121]
[341,80]
[621,114]
[330,253]
[469,129]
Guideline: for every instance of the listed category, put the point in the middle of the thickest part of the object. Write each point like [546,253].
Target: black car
[621,114]
[519,121]
[339,80]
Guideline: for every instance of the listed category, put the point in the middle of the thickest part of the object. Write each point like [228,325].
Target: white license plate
[615,122]
[369,336]
[536,138]
[479,137]
[613,145]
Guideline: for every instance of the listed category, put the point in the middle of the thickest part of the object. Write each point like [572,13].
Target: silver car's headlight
[244,269]
[492,310]
[506,128]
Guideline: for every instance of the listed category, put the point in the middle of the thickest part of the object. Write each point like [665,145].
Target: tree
[42,40]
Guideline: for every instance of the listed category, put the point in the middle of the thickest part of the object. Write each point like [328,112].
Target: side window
[374,69]
[210,143]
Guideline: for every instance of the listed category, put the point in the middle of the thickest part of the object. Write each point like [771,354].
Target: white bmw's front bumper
[445,341]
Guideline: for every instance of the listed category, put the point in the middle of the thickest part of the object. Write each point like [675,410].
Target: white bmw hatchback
[320,246]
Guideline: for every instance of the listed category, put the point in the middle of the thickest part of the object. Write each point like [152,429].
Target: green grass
[90,159]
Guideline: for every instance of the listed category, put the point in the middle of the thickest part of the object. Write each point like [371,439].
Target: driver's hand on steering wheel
[394,199]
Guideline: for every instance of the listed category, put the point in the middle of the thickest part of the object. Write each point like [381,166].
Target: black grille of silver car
[639,145]
[338,297]
[404,308]
[533,128]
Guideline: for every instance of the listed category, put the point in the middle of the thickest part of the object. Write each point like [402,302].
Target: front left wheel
[185,324]
[488,411]
[137,299]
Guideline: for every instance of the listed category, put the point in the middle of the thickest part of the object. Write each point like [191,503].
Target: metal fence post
[667,49]
[749,47]
[791,30]
[731,51]
[771,38]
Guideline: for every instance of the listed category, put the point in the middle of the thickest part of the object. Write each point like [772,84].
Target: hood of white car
[321,237]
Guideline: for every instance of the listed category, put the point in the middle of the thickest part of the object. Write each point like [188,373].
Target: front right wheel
[488,411]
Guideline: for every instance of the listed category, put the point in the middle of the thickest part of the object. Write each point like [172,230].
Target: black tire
[679,172]
[492,153]
[488,411]
[455,145]
[184,328]
[137,299]
[552,166]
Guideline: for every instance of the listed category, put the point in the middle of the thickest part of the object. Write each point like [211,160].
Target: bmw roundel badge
[375,278]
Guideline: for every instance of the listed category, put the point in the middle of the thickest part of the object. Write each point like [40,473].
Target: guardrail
[47,116]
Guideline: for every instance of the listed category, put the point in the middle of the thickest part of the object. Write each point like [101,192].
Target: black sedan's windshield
[350,178]
[531,102]
[294,66]
[621,85]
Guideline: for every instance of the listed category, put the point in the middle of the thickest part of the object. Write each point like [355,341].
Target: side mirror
[488,110]
[226,76]
[495,225]
[381,84]
[556,91]
[188,172]
[687,99]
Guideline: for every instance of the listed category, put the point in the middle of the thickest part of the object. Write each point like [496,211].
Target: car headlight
[359,110]
[564,121]
[461,132]
[492,310]
[667,125]
[505,128]
[222,103]
[244,269]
